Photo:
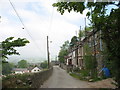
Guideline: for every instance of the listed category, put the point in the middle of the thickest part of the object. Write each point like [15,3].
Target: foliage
[62,55]
[76,6]
[98,9]
[63,52]
[82,32]
[112,40]
[65,45]
[106,60]
[44,65]
[75,76]
[22,64]
[84,75]
[89,28]
[7,68]
[26,80]
[73,42]
[76,69]
[9,44]
[0,67]
[10,81]
[109,24]
[90,62]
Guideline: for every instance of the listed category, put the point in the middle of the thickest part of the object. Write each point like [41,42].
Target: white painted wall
[18,72]
[35,70]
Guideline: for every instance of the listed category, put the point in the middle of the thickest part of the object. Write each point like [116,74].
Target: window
[96,35]
[95,42]
[89,44]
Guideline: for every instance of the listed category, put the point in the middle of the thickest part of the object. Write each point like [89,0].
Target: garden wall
[27,80]
[39,78]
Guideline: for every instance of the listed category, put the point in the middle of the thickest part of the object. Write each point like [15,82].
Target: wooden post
[80,34]
[48,54]
[85,28]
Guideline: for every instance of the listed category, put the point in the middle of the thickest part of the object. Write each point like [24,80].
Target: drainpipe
[100,41]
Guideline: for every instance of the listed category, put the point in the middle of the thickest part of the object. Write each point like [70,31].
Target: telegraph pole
[85,28]
[0,18]
[48,54]
[80,33]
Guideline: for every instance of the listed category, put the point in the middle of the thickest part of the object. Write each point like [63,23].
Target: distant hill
[16,59]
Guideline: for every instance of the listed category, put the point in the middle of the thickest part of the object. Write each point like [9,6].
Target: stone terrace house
[76,54]
[71,58]
[96,44]
[80,55]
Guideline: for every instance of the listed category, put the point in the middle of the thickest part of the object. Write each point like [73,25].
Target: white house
[35,70]
[20,70]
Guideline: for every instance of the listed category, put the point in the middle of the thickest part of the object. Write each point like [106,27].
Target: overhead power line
[17,13]
[25,28]
[51,19]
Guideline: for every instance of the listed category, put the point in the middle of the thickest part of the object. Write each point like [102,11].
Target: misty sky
[40,19]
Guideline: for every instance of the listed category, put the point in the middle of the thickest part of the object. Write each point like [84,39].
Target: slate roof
[30,68]
[19,69]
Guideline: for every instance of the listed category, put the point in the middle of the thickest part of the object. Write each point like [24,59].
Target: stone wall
[27,80]
[63,66]
[39,78]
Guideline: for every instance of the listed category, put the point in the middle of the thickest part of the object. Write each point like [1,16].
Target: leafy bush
[44,64]
[76,69]
[84,73]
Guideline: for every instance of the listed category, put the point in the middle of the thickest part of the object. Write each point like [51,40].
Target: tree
[65,45]
[44,64]
[112,40]
[82,32]
[22,64]
[63,51]
[108,23]
[74,41]
[97,10]
[90,62]
[8,46]
[7,68]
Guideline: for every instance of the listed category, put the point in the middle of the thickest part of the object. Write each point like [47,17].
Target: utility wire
[24,25]
[51,19]
[17,13]
[50,25]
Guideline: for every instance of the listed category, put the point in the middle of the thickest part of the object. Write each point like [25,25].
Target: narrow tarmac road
[61,79]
